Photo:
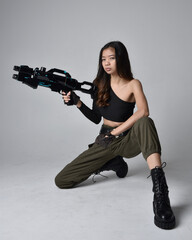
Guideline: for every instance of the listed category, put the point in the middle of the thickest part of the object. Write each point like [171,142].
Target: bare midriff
[111,123]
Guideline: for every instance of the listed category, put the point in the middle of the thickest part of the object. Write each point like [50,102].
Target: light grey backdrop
[37,129]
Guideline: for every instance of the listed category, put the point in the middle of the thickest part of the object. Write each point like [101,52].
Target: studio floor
[111,209]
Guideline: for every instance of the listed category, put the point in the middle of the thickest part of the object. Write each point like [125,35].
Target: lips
[108,69]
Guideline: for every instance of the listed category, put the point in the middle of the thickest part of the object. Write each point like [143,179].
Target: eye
[103,59]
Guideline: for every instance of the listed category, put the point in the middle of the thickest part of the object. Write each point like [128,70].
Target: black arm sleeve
[92,114]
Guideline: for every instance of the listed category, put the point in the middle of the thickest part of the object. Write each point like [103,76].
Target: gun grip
[71,102]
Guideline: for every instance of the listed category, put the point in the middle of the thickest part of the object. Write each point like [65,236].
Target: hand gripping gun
[55,79]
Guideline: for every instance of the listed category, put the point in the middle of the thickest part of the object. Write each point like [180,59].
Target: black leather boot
[117,165]
[164,217]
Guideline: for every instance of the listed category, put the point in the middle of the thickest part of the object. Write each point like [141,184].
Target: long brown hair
[102,80]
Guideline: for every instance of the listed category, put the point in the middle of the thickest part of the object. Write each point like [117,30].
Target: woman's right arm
[92,114]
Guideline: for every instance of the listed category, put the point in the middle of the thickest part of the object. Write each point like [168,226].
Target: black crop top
[117,111]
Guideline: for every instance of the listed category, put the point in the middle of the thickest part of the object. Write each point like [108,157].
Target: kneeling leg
[83,166]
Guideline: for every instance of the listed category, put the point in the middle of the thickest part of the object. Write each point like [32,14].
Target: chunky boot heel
[117,164]
[164,217]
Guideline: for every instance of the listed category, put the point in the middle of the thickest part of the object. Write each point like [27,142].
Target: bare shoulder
[135,84]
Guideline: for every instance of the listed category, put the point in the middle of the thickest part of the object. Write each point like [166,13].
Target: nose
[107,63]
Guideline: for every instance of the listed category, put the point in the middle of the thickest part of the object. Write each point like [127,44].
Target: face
[109,61]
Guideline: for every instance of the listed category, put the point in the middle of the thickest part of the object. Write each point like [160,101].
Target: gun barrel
[16,68]
[15,76]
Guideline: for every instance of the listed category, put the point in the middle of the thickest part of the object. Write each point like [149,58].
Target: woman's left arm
[142,108]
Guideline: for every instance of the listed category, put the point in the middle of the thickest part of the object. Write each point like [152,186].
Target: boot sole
[165,225]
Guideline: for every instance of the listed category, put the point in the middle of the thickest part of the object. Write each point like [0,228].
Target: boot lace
[96,174]
[163,165]
[160,188]
[161,192]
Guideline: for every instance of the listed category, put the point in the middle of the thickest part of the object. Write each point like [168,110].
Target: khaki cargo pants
[141,138]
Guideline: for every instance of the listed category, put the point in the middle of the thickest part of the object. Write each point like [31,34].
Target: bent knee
[62,183]
[144,120]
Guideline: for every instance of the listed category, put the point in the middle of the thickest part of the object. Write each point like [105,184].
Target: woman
[123,133]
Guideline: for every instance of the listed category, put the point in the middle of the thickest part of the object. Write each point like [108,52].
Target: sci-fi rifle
[55,79]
